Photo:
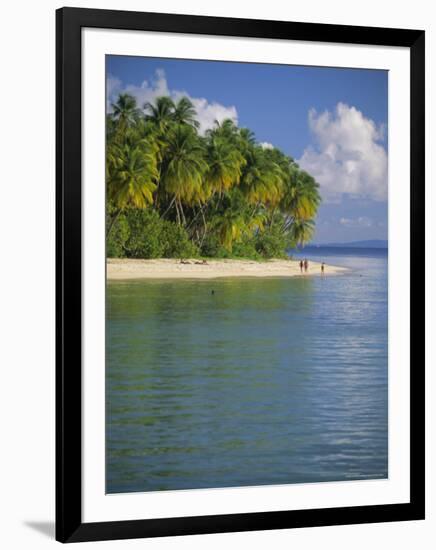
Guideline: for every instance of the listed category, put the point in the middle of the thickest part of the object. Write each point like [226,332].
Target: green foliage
[260,246]
[145,229]
[175,193]
[273,243]
[144,234]
[176,242]
[211,247]
[117,238]
[246,248]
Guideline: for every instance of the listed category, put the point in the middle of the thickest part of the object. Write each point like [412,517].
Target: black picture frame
[69,525]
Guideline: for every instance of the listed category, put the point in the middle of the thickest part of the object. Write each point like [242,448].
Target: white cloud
[266,145]
[113,86]
[149,90]
[362,221]
[348,157]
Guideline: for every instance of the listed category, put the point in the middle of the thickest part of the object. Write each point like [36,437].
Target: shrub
[211,246]
[246,248]
[143,234]
[117,238]
[272,243]
[176,242]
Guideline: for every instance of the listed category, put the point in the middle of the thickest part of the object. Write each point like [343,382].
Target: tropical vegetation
[173,191]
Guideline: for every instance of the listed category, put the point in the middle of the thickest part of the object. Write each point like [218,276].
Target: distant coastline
[373,243]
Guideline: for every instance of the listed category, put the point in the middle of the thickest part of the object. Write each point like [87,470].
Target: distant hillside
[375,243]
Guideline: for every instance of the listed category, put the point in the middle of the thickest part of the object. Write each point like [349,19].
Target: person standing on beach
[322,268]
[301,266]
[306,265]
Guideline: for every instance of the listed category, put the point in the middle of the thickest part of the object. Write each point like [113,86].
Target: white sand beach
[123,269]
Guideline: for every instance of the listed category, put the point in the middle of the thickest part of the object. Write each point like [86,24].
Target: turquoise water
[264,381]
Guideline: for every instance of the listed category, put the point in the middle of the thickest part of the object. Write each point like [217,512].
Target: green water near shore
[233,382]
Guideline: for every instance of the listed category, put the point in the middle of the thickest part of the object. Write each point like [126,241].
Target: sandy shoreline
[124,269]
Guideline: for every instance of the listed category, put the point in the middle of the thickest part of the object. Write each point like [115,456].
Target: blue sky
[333,122]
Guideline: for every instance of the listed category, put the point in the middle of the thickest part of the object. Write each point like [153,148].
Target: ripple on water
[266,381]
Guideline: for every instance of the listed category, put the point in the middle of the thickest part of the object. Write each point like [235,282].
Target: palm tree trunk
[183,213]
[196,214]
[112,222]
[272,217]
[177,212]
[169,208]
[205,226]
[288,223]
[157,201]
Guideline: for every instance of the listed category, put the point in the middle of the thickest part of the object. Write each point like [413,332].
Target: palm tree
[302,198]
[246,140]
[301,232]
[226,130]
[262,182]
[185,113]
[183,168]
[132,173]
[225,164]
[246,135]
[230,227]
[223,181]
[234,224]
[161,113]
[125,111]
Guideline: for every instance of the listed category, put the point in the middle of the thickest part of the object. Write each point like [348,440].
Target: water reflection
[262,382]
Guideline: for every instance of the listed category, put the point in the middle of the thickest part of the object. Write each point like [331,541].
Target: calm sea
[263,381]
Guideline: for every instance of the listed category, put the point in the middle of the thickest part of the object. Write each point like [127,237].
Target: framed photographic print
[240,280]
